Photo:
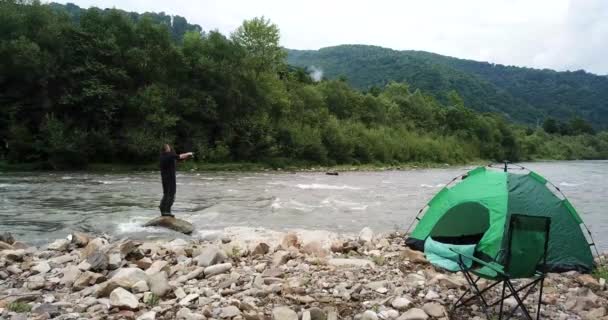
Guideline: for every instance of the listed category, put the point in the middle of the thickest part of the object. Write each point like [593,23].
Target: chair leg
[540,297]
[502,300]
[520,303]
[478,293]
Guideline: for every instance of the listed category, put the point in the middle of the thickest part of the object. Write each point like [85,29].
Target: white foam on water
[566,184]
[276,204]
[135,225]
[320,186]
[67,178]
[440,185]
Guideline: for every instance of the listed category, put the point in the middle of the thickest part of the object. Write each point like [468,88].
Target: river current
[39,206]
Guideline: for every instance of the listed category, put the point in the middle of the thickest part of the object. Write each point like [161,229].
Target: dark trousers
[168,197]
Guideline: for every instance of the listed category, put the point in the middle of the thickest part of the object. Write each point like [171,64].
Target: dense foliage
[111,86]
[522,94]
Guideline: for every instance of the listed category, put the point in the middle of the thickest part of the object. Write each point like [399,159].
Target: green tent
[476,210]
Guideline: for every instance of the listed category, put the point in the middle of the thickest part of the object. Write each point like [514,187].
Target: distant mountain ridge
[521,94]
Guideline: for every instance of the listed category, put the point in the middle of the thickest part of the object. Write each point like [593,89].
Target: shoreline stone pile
[365,277]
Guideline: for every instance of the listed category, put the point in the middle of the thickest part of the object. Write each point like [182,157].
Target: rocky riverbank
[288,277]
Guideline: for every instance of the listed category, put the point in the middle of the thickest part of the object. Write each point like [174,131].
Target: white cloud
[558,34]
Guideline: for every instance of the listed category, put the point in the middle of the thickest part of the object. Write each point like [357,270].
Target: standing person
[168,157]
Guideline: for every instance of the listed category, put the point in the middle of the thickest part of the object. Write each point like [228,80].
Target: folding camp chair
[524,257]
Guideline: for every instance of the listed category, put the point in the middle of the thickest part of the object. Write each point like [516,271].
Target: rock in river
[172,223]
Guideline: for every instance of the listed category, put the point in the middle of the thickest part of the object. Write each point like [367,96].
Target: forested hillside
[108,86]
[522,94]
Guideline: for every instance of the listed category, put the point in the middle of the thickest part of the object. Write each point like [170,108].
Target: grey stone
[128,277]
[209,256]
[140,287]
[317,314]
[284,313]
[98,261]
[159,284]
[52,310]
[70,274]
[217,269]
[401,303]
[434,309]
[59,245]
[369,315]
[35,282]
[230,312]
[41,267]
[150,315]
[366,235]
[339,262]
[414,314]
[123,299]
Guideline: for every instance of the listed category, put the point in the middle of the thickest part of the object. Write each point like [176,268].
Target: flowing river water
[37,207]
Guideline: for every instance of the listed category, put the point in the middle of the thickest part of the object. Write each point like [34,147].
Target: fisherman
[168,157]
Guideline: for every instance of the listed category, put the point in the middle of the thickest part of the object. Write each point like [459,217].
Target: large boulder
[172,223]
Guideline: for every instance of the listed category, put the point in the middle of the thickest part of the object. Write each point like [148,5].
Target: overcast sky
[556,34]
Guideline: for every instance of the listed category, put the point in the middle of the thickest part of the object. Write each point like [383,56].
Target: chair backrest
[528,238]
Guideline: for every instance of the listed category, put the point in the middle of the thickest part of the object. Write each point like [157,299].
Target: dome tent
[476,210]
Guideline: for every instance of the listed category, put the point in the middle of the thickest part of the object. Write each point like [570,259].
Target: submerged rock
[172,223]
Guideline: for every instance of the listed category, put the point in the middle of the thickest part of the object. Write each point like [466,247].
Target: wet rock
[339,262]
[79,239]
[217,269]
[209,256]
[172,223]
[260,249]
[159,284]
[7,237]
[401,303]
[123,299]
[284,313]
[434,309]
[414,314]
[366,235]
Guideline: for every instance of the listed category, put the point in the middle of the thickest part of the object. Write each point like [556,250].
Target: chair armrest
[477,260]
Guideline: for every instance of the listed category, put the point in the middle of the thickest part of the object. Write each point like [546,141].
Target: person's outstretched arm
[186,155]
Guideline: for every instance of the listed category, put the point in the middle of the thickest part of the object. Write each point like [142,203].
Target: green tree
[260,38]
